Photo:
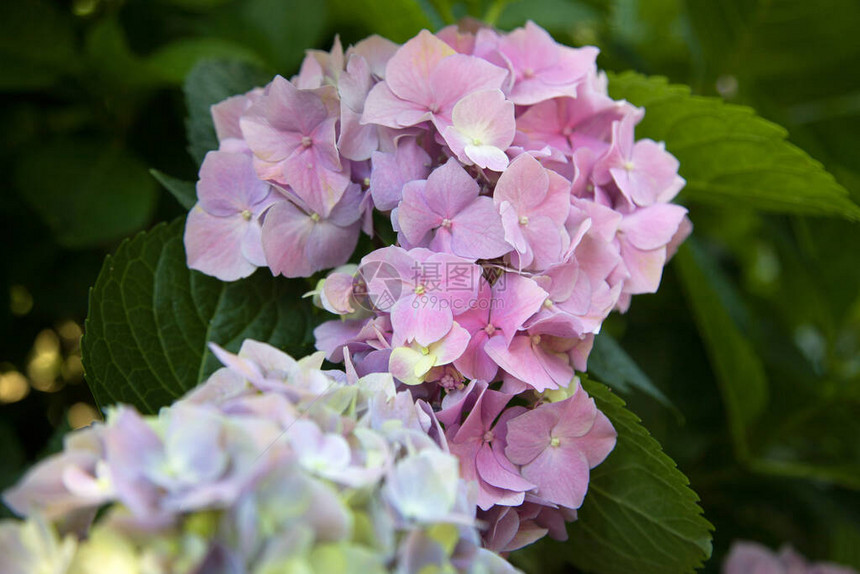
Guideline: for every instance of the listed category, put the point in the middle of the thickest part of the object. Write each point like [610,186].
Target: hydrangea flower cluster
[752,558]
[524,210]
[272,465]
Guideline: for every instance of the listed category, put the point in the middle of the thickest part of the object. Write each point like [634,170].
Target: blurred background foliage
[754,336]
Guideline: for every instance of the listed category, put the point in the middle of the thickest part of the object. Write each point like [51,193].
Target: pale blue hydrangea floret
[271,465]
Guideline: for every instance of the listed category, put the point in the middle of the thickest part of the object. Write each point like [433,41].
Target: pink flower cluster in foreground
[271,465]
[524,210]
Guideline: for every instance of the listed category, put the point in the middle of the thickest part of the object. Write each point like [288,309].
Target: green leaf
[397,20]
[730,156]
[739,371]
[279,31]
[37,44]
[185,192]
[639,514]
[556,16]
[283,29]
[175,60]
[208,83]
[783,43]
[92,193]
[612,365]
[198,5]
[151,318]
[114,65]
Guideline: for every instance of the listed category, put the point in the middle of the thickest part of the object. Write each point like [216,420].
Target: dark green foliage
[754,337]
[151,319]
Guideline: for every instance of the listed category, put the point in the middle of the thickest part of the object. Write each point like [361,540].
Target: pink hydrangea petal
[560,281]
[312,178]
[457,76]
[514,235]
[462,42]
[226,114]
[494,474]
[285,236]
[530,434]
[655,175]
[415,218]
[547,241]
[561,474]
[556,204]
[556,365]
[229,185]
[130,443]
[408,72]
[459,282]
[483,126]
[356,140]
[487,156]
[392,170]
[421,320]
[377,51]
[542,123]
[402,270]
[579,301]
[489,113]
[477,231]
[474,363]
[519,359]
[271,124]
[524,184]
[329,245]
[543,68]
[456,402]
[575,415]
[450,189]
[652,227]
[502,529]
[348,208]
[529,533]
[600,440]
[529,47]
[487,407]
[354,84]
[452,345]
[685,228]
[252,244]
[750,557]
[573,65]
[645,268]
[519,298]
[332,336]
[213,245]
[337,293]
[384,108]
[477,316]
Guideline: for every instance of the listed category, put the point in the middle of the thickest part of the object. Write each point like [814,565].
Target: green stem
[494,11]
